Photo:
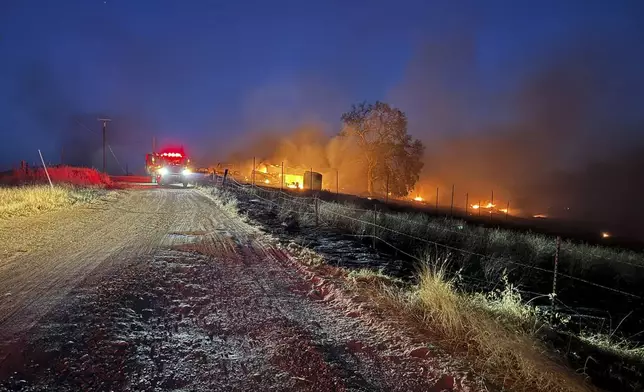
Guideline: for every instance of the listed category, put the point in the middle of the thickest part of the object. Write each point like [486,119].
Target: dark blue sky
[204,73]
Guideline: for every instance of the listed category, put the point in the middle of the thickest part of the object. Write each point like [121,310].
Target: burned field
[593,320]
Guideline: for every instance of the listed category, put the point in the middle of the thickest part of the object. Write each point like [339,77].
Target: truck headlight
[186,172]
[163,171]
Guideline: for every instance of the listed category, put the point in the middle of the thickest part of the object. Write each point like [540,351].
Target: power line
[117,160]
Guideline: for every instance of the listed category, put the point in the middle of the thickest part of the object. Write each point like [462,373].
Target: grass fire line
[499,262]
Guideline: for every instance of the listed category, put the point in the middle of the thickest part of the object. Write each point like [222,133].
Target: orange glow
[540,216]
[294,181]
[418,198]
[504,210]
[490,205]
[476,206]
[605,234]
[267,181]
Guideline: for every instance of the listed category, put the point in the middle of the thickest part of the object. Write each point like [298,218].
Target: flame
[504,210]
[541,216]
[606,234]
[476,206]
[490,205]
[267,181]
[294,181]
[418,198]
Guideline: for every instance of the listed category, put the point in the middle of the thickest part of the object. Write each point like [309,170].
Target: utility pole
[282,182]
[105,120]
[467,200]
[437,200]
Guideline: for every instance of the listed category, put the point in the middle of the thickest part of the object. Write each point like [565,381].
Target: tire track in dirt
[183,294]
[59,249]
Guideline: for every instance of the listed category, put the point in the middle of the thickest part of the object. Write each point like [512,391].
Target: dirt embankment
[163,289]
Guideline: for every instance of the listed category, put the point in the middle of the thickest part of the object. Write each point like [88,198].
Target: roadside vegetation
[489,297]
[70,175]
[496,333]
[504,250]
[33,199]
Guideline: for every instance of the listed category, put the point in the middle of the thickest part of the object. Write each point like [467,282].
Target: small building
[312,181]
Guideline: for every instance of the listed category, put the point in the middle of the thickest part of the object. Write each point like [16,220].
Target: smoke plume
[560,138]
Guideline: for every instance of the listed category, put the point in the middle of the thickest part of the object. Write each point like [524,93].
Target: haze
[541,101]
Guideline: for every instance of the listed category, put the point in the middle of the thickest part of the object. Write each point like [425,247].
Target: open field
[591,298]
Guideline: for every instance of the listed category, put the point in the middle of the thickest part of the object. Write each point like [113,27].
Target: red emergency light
[172,154]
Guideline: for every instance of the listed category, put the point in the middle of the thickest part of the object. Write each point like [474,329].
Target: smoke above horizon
[562,138]
[558,132]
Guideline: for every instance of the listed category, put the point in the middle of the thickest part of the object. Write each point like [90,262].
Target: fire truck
[169,167]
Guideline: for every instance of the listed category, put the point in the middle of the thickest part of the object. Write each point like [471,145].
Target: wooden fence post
[554,280]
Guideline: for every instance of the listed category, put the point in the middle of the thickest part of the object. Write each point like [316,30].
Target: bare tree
[380,132]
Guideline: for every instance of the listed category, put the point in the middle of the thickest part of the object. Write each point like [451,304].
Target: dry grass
[224,198]
[494,333]
[30,200]
[614,345]
[77,176]
[372,277]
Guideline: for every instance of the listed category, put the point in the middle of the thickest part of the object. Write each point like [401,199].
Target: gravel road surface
[163,289]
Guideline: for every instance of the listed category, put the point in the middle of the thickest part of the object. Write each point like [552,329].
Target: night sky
[206,73]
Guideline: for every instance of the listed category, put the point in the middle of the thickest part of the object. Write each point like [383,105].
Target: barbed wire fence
[372,225]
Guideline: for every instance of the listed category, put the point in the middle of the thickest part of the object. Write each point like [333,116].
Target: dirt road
[163,289]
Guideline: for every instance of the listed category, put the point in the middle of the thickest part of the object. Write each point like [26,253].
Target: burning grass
[490,252]
[34,199]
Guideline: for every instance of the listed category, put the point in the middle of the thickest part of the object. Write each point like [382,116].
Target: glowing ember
[418,198]
[476,206]
[504,210]
[605,234]
[267,181]
[540,216]
[490,205]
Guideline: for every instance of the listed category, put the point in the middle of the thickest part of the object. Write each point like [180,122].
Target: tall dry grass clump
[34,199]
[490,332]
